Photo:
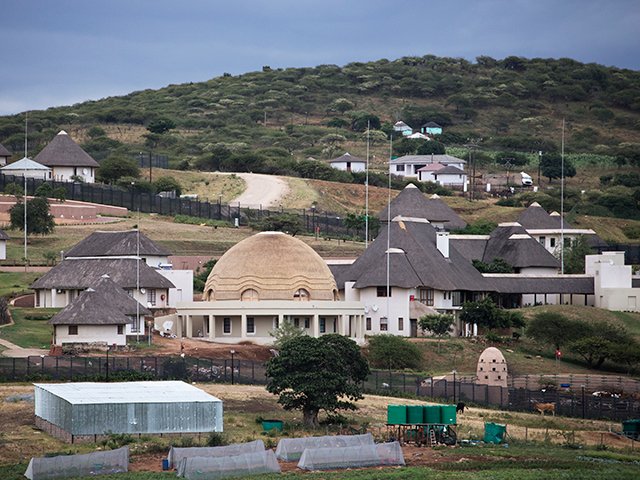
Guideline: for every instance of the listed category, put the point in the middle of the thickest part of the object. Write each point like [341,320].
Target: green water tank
[414,414]
[448,414]
[432,414]
[396,414]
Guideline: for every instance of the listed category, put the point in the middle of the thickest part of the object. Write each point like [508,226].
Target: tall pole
[366,193]
[389,230]
[562,203]
[26,124]
[138,280]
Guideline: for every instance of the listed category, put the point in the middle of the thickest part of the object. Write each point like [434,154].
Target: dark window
[382,291]
[399,168]
[383,324]
[541,240]
[430,295]
[368,322]
[296,322]
[323,325]
[456,299]
[226,327]
[400,323]
[251,325]
[151,297]
[552,242]
[73,329]
[306,323]
[120,329]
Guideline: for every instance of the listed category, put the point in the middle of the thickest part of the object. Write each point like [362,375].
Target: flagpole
[366,193]
[26,124]
[389,230]
[562,204]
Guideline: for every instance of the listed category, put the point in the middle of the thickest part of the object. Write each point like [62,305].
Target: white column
[344,324]
[243,325]
[475,329]
[212,327]
[189,327]
[280,319]
[316,326]
[179,326]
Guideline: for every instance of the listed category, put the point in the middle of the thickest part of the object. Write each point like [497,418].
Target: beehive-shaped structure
[492,368]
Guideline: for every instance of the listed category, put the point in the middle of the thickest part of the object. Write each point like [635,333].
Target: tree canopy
[39,220]
[393,352]
[551,166]
[313,374]
[114,168]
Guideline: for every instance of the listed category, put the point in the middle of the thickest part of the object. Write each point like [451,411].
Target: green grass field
[15,282]
[29,332]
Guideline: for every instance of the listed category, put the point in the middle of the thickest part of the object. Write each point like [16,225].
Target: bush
[216,439]
[393,352]
[631,231]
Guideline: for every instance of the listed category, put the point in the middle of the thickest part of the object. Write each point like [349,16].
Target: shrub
[216,439]
[393,352]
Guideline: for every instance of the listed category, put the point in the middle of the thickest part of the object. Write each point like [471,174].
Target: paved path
[262,190]
[15,351]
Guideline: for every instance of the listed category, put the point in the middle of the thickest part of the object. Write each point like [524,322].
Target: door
[414,327]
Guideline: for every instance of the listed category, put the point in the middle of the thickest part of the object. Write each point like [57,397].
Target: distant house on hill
[27,168]
[431,128]
[409,165]
[5,155]
[348,163]
[403,128]
[450,176]
[68,160]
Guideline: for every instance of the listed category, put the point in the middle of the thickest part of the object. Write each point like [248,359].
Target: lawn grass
[28,333]
[12,283]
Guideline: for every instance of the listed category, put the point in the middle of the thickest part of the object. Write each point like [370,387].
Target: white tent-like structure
[28,168]
[89,464]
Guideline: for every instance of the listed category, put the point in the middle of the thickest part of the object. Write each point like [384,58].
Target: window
[73,329]
[447,295]
[542,240]
[552,242]
[323,325]
[226,326]
[456,298]
[296,322]
[251,325]
[301,295]
[151,297]
[399,168]
[382,291]
[426,296]
[383,324]
[249,295]
[135,326]
[400,323]
[120,329]
[368,323]
[306,323]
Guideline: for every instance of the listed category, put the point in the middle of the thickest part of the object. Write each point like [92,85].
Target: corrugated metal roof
[85,393]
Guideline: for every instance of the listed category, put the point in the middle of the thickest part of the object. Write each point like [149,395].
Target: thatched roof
[415,262]
[511,242]
[347,157]
[91,307]
[83,273]
[273,264]
[4,152]
[114,244]
[118,297]
[410,202]
[536,218]
[512,283]
[62,151]
[3,235]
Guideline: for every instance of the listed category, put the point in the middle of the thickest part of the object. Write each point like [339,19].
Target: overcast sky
[59,52]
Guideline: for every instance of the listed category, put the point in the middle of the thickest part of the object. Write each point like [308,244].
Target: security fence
[573,401]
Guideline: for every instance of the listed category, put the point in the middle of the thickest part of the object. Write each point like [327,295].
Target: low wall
[70,209]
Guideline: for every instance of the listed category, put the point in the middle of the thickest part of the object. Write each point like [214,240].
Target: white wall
[3,249]
[90,333]
[183,280]
[376,308]
[64,174]
[537,271]
[355,166]
[450,179]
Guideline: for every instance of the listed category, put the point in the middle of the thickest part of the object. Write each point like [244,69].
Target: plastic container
[631,428]
[396,414]
[268,425]
[165,464]
[494,432]
[432,414]
[414,414]
[448,414]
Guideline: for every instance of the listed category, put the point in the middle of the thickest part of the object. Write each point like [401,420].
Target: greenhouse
[176,454]
[65,466]
[69,410]
[381,454]
[211,468]
[290,449]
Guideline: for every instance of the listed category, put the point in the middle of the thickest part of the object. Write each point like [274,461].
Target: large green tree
[554,328]
[438,324]
[393,352]
[39,220]
[314,374]
[114,168]
[551,166]
[487,314]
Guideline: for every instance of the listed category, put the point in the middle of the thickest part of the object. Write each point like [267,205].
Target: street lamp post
[233,352]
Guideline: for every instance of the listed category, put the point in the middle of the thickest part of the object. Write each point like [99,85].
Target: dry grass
[206,185]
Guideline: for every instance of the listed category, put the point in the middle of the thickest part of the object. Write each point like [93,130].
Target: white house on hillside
[27,168]
[409,165]
[348,163]
[403,128]
[67,160]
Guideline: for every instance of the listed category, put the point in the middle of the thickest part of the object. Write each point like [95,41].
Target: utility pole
[472,144]
[539,165]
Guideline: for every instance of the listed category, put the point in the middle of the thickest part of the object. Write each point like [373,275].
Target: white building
[403,128]
[614,285]
[348,163]
[67,160]
[3,245]
[27,168]
[409,165]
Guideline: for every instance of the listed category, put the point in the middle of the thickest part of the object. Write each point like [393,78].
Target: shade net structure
[66,466]
[177,454]
[211,468]
[382,454]
[290,449]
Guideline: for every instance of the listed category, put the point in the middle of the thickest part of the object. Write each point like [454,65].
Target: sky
[61,52]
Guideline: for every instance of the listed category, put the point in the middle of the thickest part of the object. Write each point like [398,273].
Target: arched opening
[209,295]
[249,295]
[301,295]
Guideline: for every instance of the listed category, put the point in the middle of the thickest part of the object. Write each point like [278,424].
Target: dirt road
[262,190]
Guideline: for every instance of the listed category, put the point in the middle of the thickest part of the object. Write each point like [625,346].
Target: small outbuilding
[349,163]
[5,155]
[3,245]
[492,368]
[27,168]
[83,411]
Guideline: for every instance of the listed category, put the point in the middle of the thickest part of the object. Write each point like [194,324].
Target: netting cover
[352,457]
[177,454]
[290,449]
[64,466]
[209,468]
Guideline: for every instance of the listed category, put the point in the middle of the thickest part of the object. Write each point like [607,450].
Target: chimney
[442,242]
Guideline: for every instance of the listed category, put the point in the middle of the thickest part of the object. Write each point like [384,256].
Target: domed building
[492,368]
[263,281]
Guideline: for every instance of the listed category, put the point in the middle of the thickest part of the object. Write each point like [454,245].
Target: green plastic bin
[268,425]
[448,414]
[414,414]
[432,414]
[396,414]
[494,432]
[631,428]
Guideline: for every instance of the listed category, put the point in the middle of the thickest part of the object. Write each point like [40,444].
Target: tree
[554,328]
[574,255]
[341,105]
[594,350]
[486,314]
[360,121]
[161,125]
[283,222]
[498,265]
[114,168]
[551,166]
[39,220]
[286,331]
[201,275]
[432,147]
[313,374]
[168,184]
[438,324]
[393,352]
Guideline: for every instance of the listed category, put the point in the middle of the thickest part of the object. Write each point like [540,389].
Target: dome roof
[270,266]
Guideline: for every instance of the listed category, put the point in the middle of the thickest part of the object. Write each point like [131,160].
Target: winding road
[262,190]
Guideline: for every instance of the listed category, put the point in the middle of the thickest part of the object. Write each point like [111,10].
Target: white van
[527,181]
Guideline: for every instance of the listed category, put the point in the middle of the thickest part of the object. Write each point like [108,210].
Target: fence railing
[578,402]
[312,221]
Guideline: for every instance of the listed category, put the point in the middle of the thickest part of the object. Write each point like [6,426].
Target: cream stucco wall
[90,333]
